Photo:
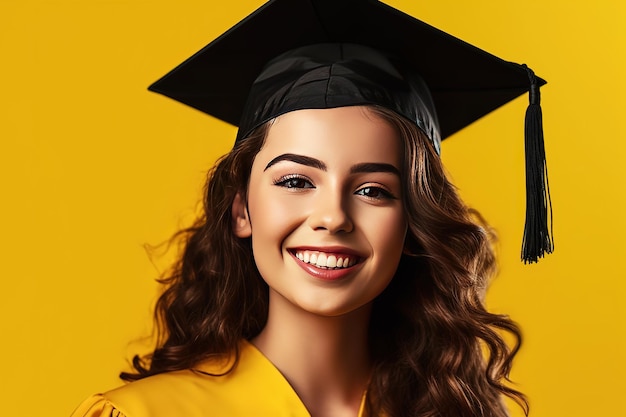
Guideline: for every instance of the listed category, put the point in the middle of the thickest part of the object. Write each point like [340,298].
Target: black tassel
[538,238]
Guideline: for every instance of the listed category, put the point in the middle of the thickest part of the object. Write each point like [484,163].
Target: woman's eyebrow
[374,167]
[298,159]
[364,167]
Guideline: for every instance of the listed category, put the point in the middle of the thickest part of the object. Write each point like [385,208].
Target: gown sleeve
[97,406]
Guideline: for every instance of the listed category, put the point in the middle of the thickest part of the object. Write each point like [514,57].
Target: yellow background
[93,167]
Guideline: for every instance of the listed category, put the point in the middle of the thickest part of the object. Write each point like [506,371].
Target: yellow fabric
[254,388]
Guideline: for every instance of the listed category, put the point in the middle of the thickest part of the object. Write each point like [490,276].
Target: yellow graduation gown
[254,388]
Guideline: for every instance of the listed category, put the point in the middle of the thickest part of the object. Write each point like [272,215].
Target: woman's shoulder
[253,387]
[186,393]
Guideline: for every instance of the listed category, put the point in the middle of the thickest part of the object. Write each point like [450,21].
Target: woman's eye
[375,193]
[293,182]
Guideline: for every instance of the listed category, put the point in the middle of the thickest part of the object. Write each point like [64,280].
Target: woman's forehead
[346,134]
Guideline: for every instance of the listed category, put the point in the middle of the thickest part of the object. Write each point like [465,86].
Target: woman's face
[324,209]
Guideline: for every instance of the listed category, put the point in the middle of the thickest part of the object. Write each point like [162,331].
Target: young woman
[335,272]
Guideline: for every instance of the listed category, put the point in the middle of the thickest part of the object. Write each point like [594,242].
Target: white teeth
[323,260]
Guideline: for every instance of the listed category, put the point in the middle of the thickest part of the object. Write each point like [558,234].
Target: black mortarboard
[296,54]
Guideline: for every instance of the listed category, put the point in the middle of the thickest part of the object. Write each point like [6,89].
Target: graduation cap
[302,54]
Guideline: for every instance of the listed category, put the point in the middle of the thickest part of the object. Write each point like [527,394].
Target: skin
[326,181]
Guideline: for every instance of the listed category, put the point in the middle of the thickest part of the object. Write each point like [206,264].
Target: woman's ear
[241,221]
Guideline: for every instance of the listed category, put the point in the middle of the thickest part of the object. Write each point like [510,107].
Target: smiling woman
[335,271]
[338,198]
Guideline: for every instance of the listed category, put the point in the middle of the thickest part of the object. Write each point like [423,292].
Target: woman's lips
[328,265]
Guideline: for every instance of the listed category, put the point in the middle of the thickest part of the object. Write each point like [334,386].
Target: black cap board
[466,82]
[228,78]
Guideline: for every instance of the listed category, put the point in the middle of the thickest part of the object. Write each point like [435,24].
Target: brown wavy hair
[436,351]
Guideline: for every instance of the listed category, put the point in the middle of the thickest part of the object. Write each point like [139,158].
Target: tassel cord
[537,240]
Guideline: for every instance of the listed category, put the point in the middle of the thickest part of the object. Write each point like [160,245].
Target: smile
[326,260]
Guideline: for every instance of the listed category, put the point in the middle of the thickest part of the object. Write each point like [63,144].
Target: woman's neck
[325,359]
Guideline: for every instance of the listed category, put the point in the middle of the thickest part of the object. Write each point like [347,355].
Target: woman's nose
[330,212]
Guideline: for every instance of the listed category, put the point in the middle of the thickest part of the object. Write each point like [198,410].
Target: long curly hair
[436,351]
